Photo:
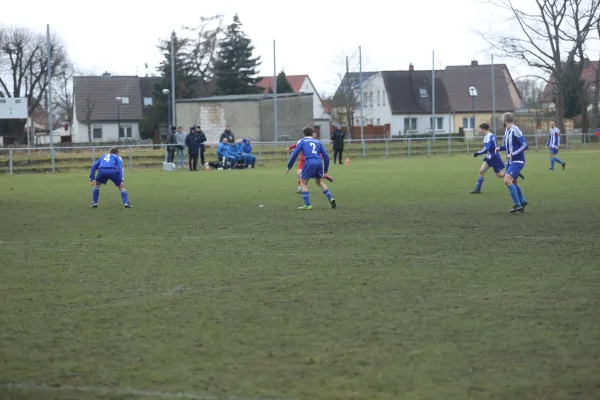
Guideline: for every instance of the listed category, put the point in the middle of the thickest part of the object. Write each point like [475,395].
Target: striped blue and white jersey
[514,144]
[489,146]
[553,138]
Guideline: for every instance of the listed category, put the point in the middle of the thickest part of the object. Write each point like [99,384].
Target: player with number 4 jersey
[109,168]
[316,164]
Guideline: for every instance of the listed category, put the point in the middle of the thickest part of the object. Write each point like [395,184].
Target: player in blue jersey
[110,168]
[515,146]
[314,167]
[491,160]
[553,144]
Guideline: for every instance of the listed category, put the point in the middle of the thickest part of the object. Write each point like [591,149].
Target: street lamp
[119,101]
[167,93]
[473,94]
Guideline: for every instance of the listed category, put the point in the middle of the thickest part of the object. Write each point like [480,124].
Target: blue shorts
[514,168]
[495,163]
[553,151]
[108,175]
[312,169]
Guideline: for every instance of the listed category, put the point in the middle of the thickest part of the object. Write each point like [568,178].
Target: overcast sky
[120,36]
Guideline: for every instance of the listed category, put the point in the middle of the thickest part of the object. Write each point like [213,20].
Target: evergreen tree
[283,85]
[236,68]
[185,81]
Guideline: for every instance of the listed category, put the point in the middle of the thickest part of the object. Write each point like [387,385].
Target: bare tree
[201,49]
[63,93]
[88,112]
[547,38]
[531,92]
[596,94]
[347,96]
[24,66]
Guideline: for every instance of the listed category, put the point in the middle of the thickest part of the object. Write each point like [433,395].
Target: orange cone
[347,160]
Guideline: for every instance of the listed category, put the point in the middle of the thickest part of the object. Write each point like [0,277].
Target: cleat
[524,204]
[475,191]
[305,208]
[128,205]
[94,205]
[564,166]
[333,203]
[327,177]
[299,191]
[517,209]
[521,176]
[550,169]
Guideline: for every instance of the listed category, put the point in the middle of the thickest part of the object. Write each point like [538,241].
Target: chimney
[411,67]
[106,74]
[474,63]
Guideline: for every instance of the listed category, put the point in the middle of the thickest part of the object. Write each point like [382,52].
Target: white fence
[64,158]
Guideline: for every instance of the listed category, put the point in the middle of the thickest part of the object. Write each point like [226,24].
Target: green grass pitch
[411,289]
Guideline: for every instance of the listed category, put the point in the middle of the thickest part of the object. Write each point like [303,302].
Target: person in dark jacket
[338,137]
[203,140]
[227,134]
[171,141]
[193,143]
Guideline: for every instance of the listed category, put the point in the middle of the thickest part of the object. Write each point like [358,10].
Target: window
[468,123]
[125,131]
[97,132]
[378,98]
[439,123]
[356,123]
[378,122]
[383,98]
[124,100]
[423,92]
[410,124]
[147,101]
[371,98]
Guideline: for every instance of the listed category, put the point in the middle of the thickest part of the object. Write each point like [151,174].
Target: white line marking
[117,392]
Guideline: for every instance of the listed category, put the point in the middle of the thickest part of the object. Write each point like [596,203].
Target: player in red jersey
[301,165]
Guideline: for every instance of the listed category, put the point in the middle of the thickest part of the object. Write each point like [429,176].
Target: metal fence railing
[59,158]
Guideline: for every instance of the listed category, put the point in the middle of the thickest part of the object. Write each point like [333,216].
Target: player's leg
[335,155]
[510,178]
[323,186]
[124,195]
[306,174]
[195,162]
[552,161]
[484,167]
[300,178]
[341,152]
[558,160]
[101,179]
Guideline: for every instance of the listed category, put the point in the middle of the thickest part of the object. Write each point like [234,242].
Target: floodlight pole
[49,66]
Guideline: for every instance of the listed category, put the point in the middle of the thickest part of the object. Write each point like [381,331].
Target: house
[303,84]
[348,93]
[458,78]
[588,75]
[106,108]
[249,116]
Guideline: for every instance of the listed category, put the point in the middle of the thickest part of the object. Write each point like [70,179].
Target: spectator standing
[202,137]
[180,143]
[338,137]
[193,143]
[227,134]
[171,141]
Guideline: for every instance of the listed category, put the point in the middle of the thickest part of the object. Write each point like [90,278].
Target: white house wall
[374,112]
[318,108]
[423,127]
[110,131]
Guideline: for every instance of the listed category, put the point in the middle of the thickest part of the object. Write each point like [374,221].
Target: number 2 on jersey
[314,148]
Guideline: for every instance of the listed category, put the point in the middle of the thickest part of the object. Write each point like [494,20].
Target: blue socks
[479,183]
[558,160]
[124,196]
[514,194]
[328,194]
[520,194]
[306,198]
[95,194]
[552,160]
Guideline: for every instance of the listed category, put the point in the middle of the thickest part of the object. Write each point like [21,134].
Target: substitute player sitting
[491,160]
[109,167]
[314,167]
[301,165]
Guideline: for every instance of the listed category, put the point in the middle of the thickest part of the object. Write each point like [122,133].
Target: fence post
[428,147]
[567,139]
[130,158]
[10,161]
[536,143]
[53,161]
[386,148]
[584,140]
[166,154]
[93,153]
[449,145]
[409,146]
[260,158]
[468,147]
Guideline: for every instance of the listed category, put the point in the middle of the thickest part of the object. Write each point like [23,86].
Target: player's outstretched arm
[93,170]
[293,157]
[120,169]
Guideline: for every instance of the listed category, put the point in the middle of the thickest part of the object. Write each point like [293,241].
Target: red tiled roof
[295,81]
[327,106]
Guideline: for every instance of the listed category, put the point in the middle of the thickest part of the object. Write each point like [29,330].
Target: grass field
[411,289]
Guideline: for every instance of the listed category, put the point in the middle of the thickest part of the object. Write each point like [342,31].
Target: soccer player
[515,146]
[491,160]
[301,166]
[314,167]
[109,167]
[553,144]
